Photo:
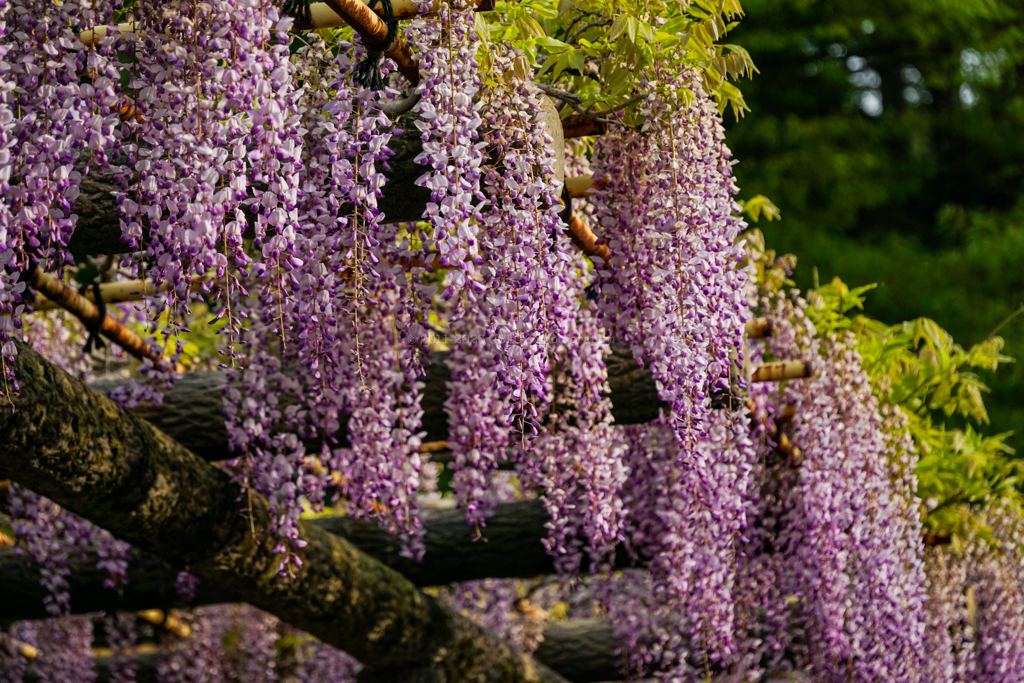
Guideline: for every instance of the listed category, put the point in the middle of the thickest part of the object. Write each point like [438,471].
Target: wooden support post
[114,293]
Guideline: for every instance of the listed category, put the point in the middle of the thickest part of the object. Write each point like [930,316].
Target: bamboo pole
[23,649]
[783,370]
[757,328]
[157,617]
[86,311]
[581,187]
[117,293]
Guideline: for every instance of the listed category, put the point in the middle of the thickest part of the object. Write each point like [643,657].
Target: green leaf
[618,27]
[576,60]
[552,43]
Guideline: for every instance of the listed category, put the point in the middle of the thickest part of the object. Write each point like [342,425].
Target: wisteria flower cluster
[252,174]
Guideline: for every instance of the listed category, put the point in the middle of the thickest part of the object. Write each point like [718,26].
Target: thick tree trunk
[513,549]
[192,412]
[81,450]
[98,229]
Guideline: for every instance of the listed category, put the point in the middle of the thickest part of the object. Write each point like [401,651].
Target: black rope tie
[367,71]
[95,340]
[298,10]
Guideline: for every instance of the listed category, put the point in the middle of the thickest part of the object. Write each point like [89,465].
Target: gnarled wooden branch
[576,126]
[512,547]
[76,447]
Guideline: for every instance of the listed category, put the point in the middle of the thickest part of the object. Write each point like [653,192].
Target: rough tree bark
[584,649]
[80,449]
[98,229]
[192,412]
[513,549]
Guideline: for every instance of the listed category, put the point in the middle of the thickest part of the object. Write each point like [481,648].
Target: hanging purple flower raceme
[850,597]
[349,342]
[64,648]
[498,606]
[54,125]
[949,633]
[322,663]
[51,537]
[122,634]
[661,627]
[994,575]
[577,461]
[675,293]
[13,663]
[478,424]
[861,584]
[449,82]
[975,631]
[215,132]
[200,657]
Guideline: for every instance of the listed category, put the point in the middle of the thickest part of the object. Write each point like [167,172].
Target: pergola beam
[78,448]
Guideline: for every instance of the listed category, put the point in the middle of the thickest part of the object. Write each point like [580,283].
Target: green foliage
[601,52]
[759,204]
[918,368]
[926,198]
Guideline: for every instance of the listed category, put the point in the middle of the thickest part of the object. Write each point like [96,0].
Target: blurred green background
[890,133]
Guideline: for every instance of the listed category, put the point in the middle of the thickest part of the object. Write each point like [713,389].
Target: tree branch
[512,548]
[76,447]
[98,230]
[192,411]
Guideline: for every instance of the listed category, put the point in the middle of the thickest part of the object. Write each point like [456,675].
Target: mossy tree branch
[78,448]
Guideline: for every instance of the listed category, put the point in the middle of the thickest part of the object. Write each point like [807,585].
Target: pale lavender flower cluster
[680,615]
[231,643]
[321,663]
[449,82]
[66,644]
[837,593]
[54,335]
[498,606]
[51,538]
[976,607]
[949,633]
[54,124]
[674,291]
[527,351]
[861,583]
[328,334]
[122,633]
[217,102]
